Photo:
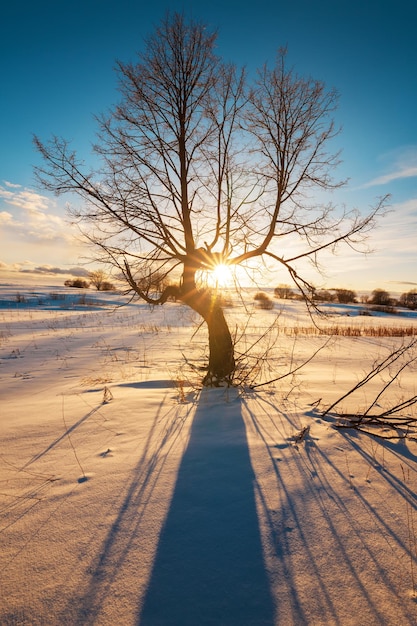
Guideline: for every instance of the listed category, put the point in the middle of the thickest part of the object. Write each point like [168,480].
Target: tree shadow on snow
[209,566]
[150,384]
[124,533]
[322,527]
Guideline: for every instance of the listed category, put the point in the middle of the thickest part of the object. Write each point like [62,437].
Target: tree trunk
[221,350]
[221,353]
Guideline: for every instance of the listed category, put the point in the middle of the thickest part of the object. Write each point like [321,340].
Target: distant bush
[78,283]
[106,286]
[409,300]
[345,296]
[263,301]
[380,297]
[267,304]
[283,291]
[323,295]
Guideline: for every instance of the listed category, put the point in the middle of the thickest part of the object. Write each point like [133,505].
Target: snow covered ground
[130,496]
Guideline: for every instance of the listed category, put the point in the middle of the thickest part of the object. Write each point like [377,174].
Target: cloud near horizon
[46,269]
[402,282]
[28,268]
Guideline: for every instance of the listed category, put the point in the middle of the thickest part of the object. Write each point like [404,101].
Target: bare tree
[201,169]
[97,278]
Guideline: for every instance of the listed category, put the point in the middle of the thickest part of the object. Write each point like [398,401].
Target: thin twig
[296,369]
[69,439]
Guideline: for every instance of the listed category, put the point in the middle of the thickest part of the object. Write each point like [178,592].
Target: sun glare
[221,275]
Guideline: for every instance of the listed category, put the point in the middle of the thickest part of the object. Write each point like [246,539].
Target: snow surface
[130,496]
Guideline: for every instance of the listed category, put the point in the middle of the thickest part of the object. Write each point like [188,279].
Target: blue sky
[57,70]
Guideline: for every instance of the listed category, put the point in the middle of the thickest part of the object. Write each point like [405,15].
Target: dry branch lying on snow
[391,418]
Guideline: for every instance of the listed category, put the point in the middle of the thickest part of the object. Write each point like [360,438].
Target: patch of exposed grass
[352,331]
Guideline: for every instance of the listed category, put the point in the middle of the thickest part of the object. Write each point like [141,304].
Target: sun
[221,276]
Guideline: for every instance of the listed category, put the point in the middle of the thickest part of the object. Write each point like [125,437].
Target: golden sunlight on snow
[129,495]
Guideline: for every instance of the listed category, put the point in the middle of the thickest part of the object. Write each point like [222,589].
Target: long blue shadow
[209,567]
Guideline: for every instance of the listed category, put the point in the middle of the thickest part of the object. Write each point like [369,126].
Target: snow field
[130,496]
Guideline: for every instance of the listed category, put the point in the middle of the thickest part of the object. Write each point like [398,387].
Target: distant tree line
[378,297]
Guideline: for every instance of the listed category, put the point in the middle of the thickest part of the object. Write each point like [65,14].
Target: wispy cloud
[403,164]
[396,232]
[406,172]
[13,185]
[26,199]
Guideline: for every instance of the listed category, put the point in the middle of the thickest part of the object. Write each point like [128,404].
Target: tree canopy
[201,167]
